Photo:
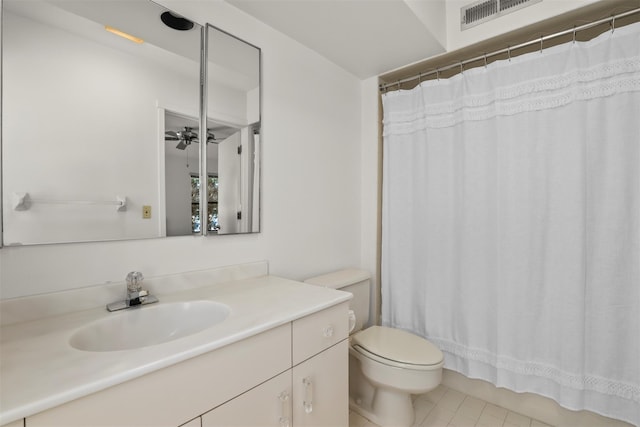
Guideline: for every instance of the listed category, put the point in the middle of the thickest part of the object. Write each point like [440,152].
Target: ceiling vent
[485,10]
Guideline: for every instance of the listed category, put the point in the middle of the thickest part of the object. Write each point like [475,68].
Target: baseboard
[529,404]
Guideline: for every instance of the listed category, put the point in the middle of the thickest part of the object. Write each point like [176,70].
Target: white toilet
[386,365]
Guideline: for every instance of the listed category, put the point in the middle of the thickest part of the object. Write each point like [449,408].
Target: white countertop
[40,370]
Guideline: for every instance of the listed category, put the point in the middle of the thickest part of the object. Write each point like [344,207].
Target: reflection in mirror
[182,179]
[81,122]
[233,95]
[180,165]
[87,118]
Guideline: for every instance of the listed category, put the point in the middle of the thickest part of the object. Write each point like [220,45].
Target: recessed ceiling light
[176,22]
[123,34]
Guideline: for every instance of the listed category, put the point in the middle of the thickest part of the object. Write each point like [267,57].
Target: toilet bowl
[397,364]
[386,365]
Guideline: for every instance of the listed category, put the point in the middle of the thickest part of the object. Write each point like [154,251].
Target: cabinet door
[321,388]
[268,404]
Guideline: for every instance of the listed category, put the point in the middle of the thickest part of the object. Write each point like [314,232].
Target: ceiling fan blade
[171,136]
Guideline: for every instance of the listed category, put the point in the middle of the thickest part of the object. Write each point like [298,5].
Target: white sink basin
[149,325]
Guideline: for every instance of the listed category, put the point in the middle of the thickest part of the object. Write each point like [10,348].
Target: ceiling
[364,37]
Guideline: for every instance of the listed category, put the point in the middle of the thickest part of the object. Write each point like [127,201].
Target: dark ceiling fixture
[176,22]
[186,136]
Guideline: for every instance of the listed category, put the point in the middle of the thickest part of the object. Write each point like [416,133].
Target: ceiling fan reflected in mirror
[187,135]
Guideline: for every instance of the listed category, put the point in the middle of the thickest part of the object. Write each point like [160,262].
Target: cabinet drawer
[318,331]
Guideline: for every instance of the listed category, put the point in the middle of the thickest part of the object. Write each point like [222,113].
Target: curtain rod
[542,39]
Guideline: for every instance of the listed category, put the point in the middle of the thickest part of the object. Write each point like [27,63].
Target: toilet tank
[352,280]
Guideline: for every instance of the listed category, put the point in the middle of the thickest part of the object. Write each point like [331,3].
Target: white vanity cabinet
[174,395]
[314,392]
[293,375]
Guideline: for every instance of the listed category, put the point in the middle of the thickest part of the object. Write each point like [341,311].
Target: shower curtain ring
[613,24]
[509,52]
[485,60]
[438,74]
[419,78]
[461,68]
[574,33]
[541,40]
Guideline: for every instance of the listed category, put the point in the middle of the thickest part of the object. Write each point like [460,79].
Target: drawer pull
[307,404]
[328,331]
[284,410]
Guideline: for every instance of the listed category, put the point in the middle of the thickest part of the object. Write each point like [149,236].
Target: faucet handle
[134,281]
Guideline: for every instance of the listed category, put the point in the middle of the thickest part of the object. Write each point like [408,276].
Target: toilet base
[392,409]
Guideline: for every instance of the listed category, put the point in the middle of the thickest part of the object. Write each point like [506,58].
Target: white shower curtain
[511,221]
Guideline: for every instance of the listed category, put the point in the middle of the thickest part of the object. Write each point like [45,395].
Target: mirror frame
[1,126]
[202,132]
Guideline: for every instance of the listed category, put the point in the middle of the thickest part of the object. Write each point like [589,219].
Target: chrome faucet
[135,294]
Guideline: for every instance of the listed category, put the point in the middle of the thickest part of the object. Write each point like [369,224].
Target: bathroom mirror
[233,78]
[88,116]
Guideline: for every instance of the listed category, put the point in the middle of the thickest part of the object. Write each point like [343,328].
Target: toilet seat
[398,348]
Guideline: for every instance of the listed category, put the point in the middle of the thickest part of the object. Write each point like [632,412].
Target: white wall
[311,178]
[235,108]
[370,175]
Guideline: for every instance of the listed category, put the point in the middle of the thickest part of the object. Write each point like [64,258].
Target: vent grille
[486,10]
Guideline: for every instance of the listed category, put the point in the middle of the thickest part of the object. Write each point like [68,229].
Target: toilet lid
[398,345]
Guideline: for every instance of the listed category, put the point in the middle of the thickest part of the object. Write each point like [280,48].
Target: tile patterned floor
[445,407]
